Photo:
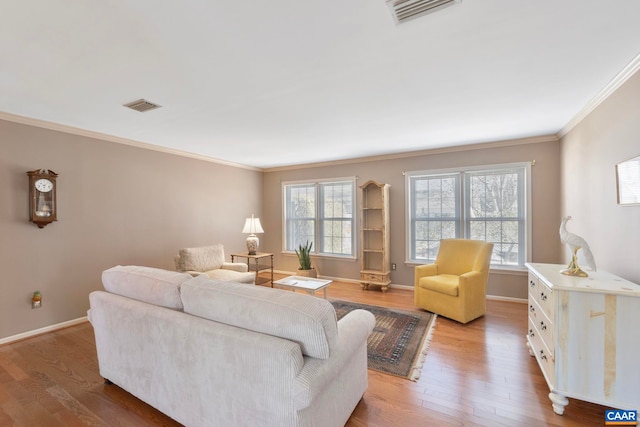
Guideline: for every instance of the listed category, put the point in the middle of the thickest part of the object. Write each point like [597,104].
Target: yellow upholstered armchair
[455,286]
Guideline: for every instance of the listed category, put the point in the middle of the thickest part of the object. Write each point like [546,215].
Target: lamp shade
[252,226]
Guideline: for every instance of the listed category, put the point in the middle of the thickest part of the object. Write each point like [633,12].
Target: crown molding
[426,152]
[105,137]
[620,78]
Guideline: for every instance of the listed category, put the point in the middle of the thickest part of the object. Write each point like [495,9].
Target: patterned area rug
[399,341]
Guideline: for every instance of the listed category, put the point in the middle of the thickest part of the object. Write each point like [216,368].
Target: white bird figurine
[576,242]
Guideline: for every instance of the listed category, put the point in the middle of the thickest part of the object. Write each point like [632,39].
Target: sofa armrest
[471,285]
[424,271]
[235,266]
[353,330]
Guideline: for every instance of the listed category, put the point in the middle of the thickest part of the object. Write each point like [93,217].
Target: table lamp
[251,227]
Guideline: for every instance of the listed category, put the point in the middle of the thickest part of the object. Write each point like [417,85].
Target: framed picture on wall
[628,181]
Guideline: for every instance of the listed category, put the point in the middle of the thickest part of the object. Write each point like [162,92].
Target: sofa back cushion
[309,321]
[147,284]
[204,258]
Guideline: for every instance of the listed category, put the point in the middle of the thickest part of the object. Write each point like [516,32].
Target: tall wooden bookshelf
[374,236]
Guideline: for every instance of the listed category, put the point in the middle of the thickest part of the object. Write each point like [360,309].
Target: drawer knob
[531,334]
[532,283]
[542,355]
[532,308]
[543,326]
[543,296]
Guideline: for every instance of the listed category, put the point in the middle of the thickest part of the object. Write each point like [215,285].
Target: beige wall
[118,204]
[590,151]
[545,204]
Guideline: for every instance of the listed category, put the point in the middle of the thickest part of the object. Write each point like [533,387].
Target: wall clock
[43,208]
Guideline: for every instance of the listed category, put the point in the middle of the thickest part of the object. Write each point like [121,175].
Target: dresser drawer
[376,278]
[543,354]
[543,295]
[543,330]
[539,319]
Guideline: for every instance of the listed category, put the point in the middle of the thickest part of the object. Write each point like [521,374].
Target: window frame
[319,215]
[464,206]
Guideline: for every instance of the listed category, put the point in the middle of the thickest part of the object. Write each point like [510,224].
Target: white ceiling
[281,82]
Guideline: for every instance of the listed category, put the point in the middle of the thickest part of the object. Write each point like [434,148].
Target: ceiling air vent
[405,10]
[142,105]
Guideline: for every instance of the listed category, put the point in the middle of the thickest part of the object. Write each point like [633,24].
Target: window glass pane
[337,237]
[477,230]
[421,250]
[494,194]
[505,254]
[337,217]
[300,215]
[337,200]
[449,230]
[421,239]
[494,212]
[435,213]
[302,201]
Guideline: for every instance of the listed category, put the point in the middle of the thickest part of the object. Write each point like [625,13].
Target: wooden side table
[257,266]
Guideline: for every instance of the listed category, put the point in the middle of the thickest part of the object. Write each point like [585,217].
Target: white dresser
[585,335]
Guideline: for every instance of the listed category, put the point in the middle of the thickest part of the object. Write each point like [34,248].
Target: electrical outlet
[36,300]
[393,266]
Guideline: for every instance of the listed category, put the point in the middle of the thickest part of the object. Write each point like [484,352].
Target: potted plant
[304,259]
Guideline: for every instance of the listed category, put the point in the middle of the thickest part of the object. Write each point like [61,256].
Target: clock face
[44,185]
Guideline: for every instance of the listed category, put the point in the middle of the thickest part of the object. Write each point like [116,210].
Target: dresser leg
[558,402]
[530,349]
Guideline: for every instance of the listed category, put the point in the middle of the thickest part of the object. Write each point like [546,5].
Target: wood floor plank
[479,374]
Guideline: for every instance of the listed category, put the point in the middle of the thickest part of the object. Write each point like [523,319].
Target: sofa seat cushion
[226,275]
[444,283]
[204,258]
[304,319]
[146,284]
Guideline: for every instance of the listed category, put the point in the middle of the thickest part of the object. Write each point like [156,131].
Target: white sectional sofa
[212,353]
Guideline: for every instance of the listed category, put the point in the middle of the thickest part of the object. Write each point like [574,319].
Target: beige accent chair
[209,260]
[455,286]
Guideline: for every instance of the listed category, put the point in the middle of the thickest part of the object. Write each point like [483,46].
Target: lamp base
[252,244]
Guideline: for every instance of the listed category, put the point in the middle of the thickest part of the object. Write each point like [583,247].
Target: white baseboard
[404,287]
[50,328]
[509,299]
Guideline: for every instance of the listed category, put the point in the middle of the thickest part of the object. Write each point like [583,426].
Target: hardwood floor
[475,374]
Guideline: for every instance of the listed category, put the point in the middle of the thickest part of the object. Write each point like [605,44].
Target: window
[483,204]
[320,212]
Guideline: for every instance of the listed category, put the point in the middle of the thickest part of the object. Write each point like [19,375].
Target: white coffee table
[307,284]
